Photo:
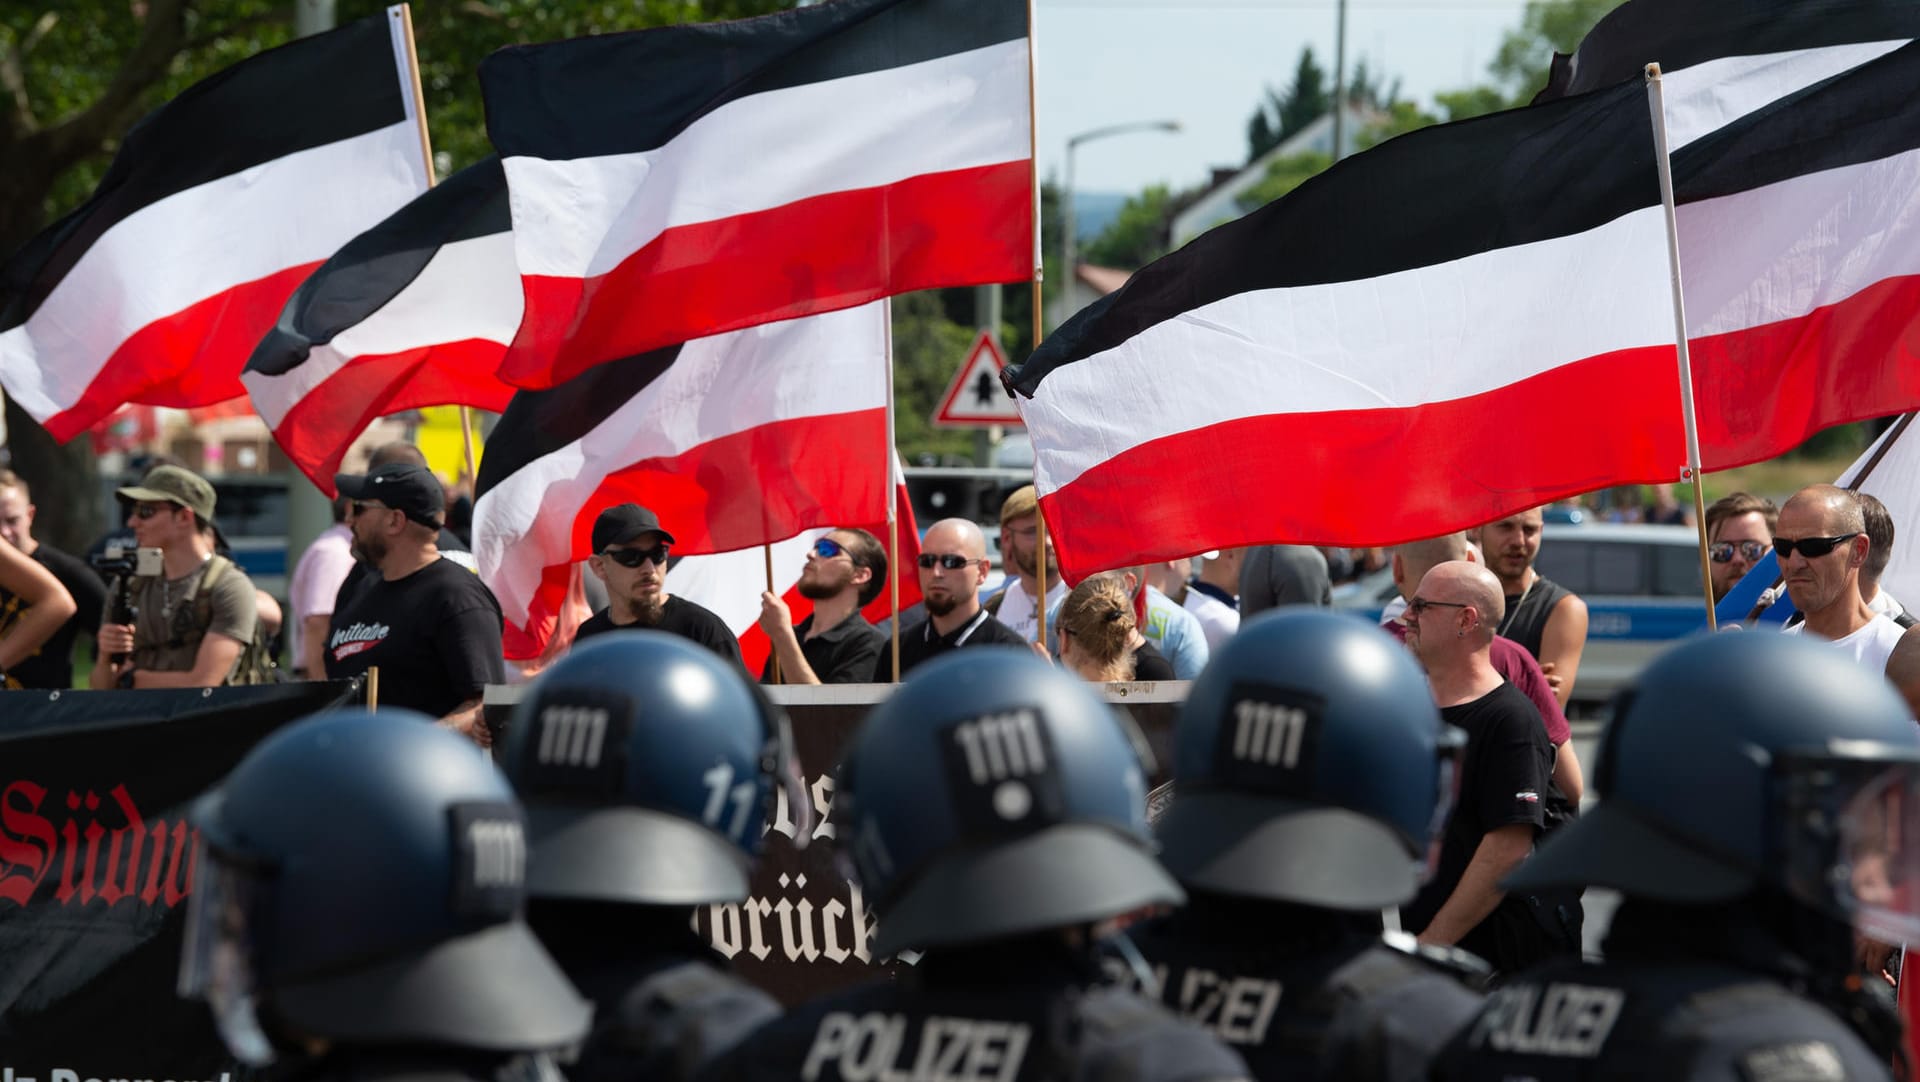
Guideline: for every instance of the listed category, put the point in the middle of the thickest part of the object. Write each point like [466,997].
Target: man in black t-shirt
[1503,776]
[953,566]
[630,551]
[429,624]
[835,644]
[52,665]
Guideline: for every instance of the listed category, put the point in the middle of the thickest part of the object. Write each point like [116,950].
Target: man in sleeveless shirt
[1546,618]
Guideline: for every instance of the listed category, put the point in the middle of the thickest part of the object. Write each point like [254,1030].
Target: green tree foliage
[1137,235]
[1275,119]
[928,346]
[1548,26]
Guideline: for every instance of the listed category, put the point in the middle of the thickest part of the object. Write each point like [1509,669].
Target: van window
[1567,562]
[1676,571]
[1619,569]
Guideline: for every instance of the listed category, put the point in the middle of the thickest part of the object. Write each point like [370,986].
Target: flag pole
[773,656]
[404,12]
[893,494]
[1691,471]
[1039,303]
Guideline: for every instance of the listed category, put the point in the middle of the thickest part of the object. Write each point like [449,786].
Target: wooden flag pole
[373,688]
[773,655]
[1039,306]
[1691,471]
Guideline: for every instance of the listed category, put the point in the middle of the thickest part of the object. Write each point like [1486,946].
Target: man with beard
[835,644]
[630,553]
[1020,552]
[430,625]
[953,565]
[1543,616]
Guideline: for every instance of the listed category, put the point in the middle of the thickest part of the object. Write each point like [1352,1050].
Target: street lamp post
[1070,242]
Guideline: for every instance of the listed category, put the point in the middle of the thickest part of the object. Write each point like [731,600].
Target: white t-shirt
[1884,604]
[1871,645]
[1018,613]
[1218,620]
[317,578]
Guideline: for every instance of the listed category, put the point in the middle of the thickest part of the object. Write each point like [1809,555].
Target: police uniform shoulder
[1463,966]
[1126,1038]
[695,1010]
[1765,1033]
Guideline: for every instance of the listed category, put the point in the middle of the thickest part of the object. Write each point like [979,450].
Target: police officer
[1311,771]
[1759,803]
[647,764]
[356,911]
[994,809]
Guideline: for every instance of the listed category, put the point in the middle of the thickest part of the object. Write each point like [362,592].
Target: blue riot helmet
[359,881]
[1740,762]
[648,765]
[994,795]
[1310,766]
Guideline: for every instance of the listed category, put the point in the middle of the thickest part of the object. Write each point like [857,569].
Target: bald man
[953,566]
[1500,810]
[1410,563]
[1822,542]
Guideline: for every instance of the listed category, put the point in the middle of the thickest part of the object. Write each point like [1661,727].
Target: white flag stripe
[1431,334]
[580,218]
[470,284]
[1710,95]
[285,213]
[1895,480]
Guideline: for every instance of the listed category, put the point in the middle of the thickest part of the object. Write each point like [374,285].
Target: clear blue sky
[1206,62]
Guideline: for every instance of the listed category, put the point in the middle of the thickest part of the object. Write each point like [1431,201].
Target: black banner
[96,861]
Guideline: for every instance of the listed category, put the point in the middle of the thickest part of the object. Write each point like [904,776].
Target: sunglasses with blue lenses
[827,548]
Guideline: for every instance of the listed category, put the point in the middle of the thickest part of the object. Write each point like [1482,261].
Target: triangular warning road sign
[976,398]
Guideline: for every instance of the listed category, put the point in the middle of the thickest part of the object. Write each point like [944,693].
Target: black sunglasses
[633,557]
[952,561]
[1722,551]
[1811,547]
[1420,604]
[148,510]
[827,548]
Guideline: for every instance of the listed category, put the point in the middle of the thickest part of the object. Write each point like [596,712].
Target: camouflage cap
[174,484]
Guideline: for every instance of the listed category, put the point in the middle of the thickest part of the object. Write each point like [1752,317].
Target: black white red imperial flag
[1476,318]
[218,204]
[681,182]
[736,440]
[416,311]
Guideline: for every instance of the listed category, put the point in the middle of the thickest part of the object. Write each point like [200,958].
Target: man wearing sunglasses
[953,565]
[427,623]
[1822,544]
[1739,533]
[630,553]
[835,644]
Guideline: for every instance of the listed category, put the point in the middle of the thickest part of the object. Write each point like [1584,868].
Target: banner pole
[774,655]
[373,688]
[893,494]
[1039,299]
[1691,471]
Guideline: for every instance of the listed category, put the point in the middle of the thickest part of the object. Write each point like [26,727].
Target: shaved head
[1414,559]
[1468,584]
[1839,508]
[957,535]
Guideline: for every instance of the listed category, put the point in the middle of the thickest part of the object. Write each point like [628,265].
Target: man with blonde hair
[1020,557]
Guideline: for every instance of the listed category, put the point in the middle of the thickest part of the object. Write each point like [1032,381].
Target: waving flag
[1461,293]
[735,441]
[415,312]
[682,182]
[217,206]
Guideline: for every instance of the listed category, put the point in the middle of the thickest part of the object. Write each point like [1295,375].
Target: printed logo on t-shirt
[359,638]
[1527,795]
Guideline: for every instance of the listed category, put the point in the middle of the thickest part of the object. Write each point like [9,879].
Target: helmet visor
[1854,846]
[216,962]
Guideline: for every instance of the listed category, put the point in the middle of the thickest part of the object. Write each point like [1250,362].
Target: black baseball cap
[402,486]
[625,522]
